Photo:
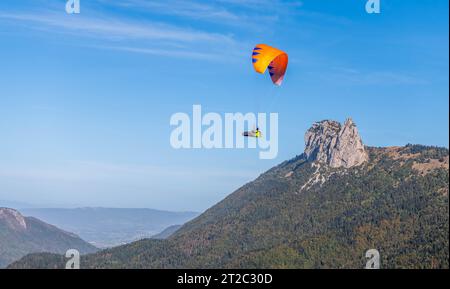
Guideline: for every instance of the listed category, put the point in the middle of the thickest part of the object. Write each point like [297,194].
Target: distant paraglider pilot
[254,133]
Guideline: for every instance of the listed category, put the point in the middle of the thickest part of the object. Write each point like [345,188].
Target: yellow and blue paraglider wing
[267,57]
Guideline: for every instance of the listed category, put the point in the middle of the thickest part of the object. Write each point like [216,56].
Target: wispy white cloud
[166,52]
[230,12]
[122,34]
[261,4]
[191,9]
[104,29]
[115,28]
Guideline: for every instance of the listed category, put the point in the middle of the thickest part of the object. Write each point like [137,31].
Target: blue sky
[85,100]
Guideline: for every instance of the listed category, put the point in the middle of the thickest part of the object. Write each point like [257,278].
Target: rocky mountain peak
[13,219]
[334,144]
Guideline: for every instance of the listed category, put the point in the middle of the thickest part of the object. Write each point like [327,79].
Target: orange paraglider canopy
[265,56]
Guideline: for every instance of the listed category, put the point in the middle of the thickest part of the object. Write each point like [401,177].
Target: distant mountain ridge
[21,235]
[166,233]
[322,209]
[107,227]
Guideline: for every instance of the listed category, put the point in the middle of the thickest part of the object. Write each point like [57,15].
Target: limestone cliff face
[334,144]
[12,219]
